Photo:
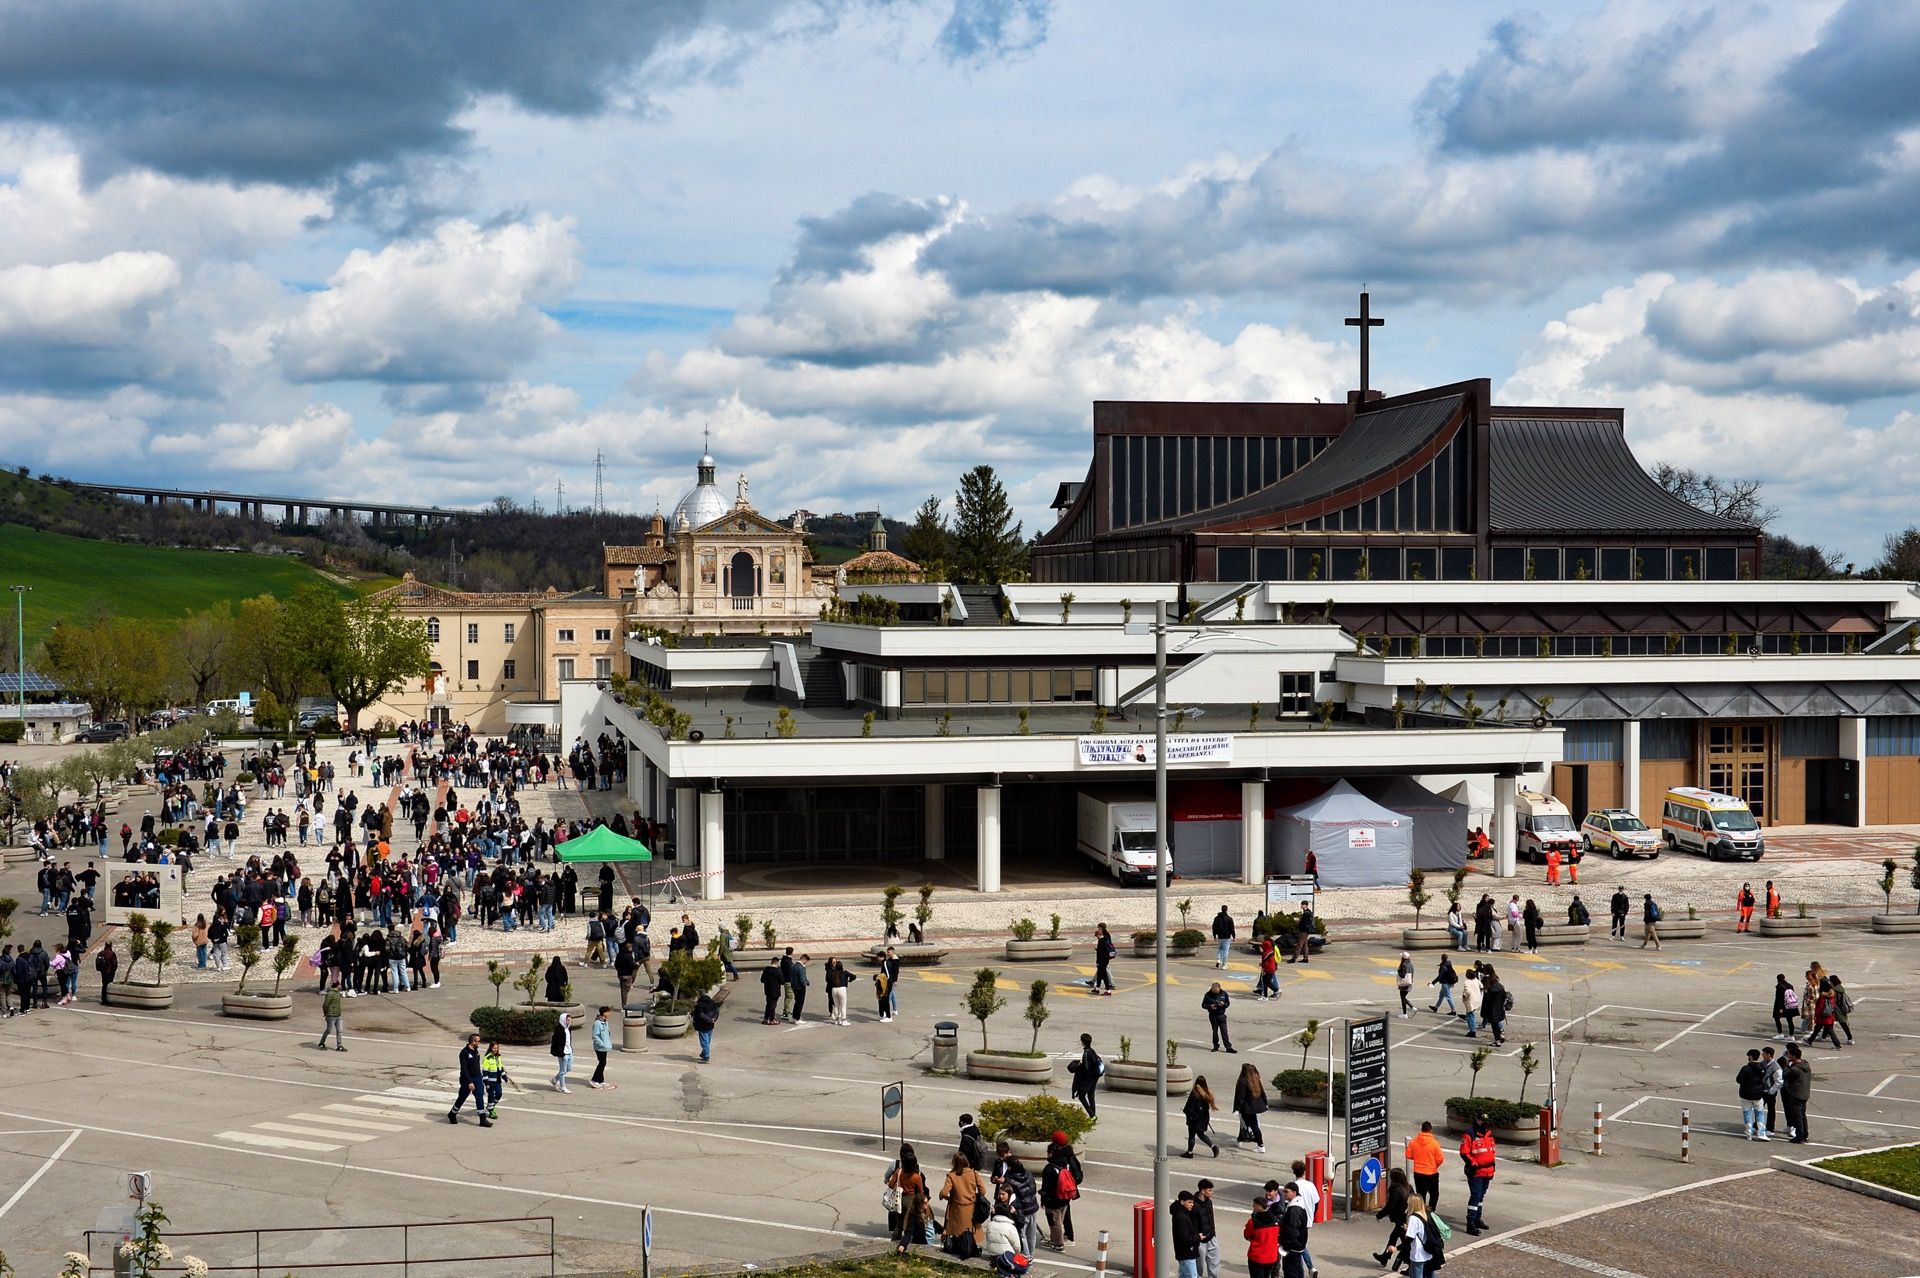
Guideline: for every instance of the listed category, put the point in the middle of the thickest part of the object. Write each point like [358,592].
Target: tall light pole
[1162,1187]
[20,646]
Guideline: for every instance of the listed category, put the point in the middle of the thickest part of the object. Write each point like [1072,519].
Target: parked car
[1620,833]
[111,730]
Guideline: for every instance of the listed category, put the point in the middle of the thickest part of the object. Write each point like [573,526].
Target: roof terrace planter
[1138,1077]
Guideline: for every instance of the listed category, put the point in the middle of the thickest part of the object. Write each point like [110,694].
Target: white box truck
[1116,832]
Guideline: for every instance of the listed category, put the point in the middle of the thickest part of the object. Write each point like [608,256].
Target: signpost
[646,1242]
[893,1105]
[1368,1127]
[1286,891]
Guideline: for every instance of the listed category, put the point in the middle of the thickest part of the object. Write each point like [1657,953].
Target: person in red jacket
[1745,901]
[1477,1157]
[1262,1233]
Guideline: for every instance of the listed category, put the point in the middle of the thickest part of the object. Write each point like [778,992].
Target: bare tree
[1900,556]
[1735,499]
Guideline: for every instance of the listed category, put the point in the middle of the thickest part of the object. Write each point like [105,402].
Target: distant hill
[68,575]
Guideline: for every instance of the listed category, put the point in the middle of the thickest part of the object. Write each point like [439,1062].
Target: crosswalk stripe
[359,1124]
[356,1137]
[418,1092]
[408,1101]
[273,1142]
[371,1112]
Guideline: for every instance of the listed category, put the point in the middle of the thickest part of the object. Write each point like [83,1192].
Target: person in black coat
[1214,1003]
[771,983]
[471,1083]
[1186,1232]
[556,981]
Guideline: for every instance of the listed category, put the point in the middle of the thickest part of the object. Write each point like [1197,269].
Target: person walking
[1394,1211]
[1796,1090]
[1249,1102]
[1842,1007]
[1495,1003]
[1744,902]
[1444,980]
[1825,1017]
[1103,952]
[1618,908]
[107,963]
[706,1015]
[1199,1115]
[1215,1003]
[1303,937]
[1649,921]
[1422,1248]
[1786,1008]
[493,1071]
[561,1049]
[1478,1159]
[471,1084]
[1425,1157]
[1223,933]
[1751,1083]
[1268,986]
[625,967]
[1086,1074]
[331,1005]
[602,1044]
[1471,992]
[1403,982]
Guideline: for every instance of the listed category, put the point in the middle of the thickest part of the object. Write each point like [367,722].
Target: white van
[1717,826]
[1544,823]
[1117,833]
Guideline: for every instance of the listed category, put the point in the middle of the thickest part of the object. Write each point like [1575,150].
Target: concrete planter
[1316,1103]
[1146,949]
[992,1067]
[1137,1077]
[753,960]
[925,954]
[572,1009]
[1039,951]
[1426,937]
[1673,930]
[668,1024]
[1787,927]
[130,994]
[21,856]
[1896,924]
[256,1007]
[1563,934]
[1501,1135]
[1034,1153]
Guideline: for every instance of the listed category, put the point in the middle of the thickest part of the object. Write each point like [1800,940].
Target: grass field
[1895,1168]
[70,574]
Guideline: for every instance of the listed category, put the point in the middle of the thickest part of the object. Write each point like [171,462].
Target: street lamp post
[1162,1189]
[20,647]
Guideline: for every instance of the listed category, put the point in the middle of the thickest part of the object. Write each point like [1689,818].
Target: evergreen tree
[927,541]
[987,546]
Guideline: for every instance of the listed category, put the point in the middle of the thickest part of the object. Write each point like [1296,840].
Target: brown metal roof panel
[1579,475]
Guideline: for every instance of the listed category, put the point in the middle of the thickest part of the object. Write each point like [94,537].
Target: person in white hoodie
[1003,1241]
[1470,998]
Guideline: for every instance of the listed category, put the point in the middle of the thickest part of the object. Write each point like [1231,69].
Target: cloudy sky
[441,252]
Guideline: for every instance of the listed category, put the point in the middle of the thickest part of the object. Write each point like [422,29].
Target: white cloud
[310,443]
[461,305]
[84,302]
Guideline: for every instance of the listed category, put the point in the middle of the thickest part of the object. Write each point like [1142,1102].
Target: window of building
[1383,562]
[1235,564]
[1649,563]
[873,684]
[473,632]
[508,670]
[563,668]
[1666,739]
[1296,692]
[1545,563]
[1346,563]
[1893,734]
[1689,563]
[473,671]
[1310,563]
[1423,563]
[1456,563]
[1509,563]
[603,635]
[1583,563]
[1590,740]
[433,630]
[602,667]
[1271,564]
[995,686]
[507,632]
[1616,563]
[563,636]
[1723,563]
[1810,738]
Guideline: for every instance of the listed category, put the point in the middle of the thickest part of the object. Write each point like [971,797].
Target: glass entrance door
[1740,763]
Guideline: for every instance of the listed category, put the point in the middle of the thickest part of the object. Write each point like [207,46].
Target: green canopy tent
[602,844]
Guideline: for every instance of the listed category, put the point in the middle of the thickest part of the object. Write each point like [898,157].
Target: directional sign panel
[1370,1173]
[1367,1122]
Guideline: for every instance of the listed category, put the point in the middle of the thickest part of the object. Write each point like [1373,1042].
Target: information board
[1367,1121]
[1284,892]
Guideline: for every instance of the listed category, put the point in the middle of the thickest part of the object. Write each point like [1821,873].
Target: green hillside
[69,575]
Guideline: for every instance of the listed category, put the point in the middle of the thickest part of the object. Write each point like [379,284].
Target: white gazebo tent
[1356,842]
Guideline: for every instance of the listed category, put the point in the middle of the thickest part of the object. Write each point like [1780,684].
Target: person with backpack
[1444,980]
[1751,1083]
[1086,1073]
[331,1006]
[1215,1003]
[972,1143]
[1059,1186]
[1249,1102]
[1842,1007]
[107,963]
[1786,1008]
[625,967]
[1825,1016]
[1423,1247]
[1649,921]
[706,1015]
[1268,986]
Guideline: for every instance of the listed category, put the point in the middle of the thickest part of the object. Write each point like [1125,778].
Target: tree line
[313,642]
[1783,558]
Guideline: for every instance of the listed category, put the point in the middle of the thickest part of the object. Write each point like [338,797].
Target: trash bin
[633,1030]
[946,1047]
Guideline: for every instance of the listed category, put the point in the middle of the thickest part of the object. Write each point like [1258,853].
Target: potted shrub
[1144,943]
[1129,1075]
[1307,1089]
[253,1005]
[146,940]
[1799,923]
[522,1026]
[1187,939]
[1283,927]
[746,955]
[1028,946]
[1898,923]
[1419,936]
[1514,1122]
[911,953]
[685,978]
[982,1000]
[1028,1123]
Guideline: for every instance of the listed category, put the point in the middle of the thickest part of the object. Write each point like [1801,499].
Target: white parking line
[1562,1258]
[1696,1025]
[46,1165]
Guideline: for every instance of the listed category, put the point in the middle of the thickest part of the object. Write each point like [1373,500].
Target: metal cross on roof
[1364,321]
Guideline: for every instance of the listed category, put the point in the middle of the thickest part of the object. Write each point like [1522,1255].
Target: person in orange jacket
[1479,1156]
[1425,1157]
[1773,900]
[1745,902]
[1553,865]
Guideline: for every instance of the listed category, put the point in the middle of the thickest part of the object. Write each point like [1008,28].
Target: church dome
[703,503]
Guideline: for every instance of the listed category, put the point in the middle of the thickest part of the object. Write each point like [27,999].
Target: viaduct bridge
[294,510]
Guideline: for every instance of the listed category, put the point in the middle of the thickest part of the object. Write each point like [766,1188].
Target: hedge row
[519,1025]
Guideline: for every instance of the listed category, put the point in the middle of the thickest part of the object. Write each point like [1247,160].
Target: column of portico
[713,845]
[987,825]
[1253,832]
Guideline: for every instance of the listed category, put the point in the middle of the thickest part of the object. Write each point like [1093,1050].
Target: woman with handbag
[1249,1102]
[965,1195]
[909,1203]
[892,1197]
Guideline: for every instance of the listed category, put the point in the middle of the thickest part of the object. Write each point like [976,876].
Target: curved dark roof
[1549,474]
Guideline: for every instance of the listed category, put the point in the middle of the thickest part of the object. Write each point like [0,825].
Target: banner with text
[1187,747]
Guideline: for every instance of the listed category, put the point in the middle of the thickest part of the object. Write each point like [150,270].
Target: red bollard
[1143,1238]
[1317,1176]
[1549,1138]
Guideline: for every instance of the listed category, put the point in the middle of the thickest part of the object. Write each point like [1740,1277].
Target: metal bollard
[1100,1252]
[1599,1130]
[1686,1135]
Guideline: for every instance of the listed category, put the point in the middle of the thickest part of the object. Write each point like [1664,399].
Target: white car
[1619,832]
